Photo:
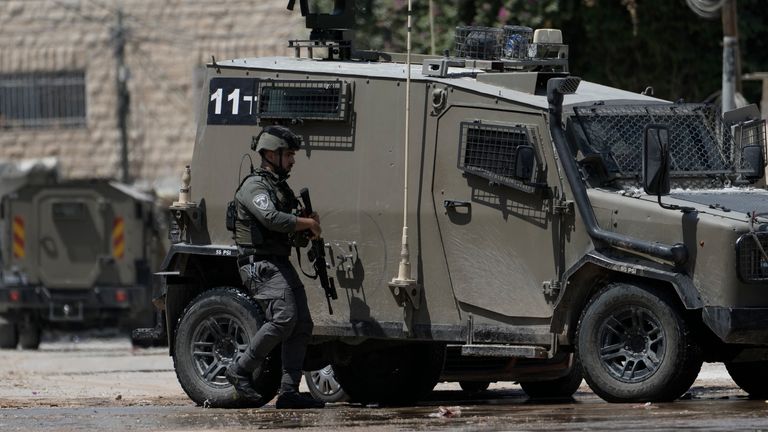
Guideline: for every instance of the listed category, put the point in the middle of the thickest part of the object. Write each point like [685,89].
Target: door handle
[456,203]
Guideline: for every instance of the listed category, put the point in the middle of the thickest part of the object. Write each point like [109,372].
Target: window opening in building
[42,100]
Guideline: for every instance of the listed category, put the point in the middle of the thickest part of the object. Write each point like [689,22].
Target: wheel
[394,375]
[472,387]
[634,345]
[9,334]
[324,387]
[560,388]
[215,327]
[752,377]
[29,336]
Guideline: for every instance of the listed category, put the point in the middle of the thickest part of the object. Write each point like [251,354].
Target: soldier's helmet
[276,137]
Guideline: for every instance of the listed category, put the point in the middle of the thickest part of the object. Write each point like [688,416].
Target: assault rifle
[316,256]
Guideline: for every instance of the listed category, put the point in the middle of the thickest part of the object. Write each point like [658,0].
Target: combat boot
[241,381]
[293,400]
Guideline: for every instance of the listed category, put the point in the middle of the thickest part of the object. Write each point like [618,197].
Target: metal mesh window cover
[752,265]
[743,134]
[490,151]
[698,145]
[480,43]
[308,100]
[42,100]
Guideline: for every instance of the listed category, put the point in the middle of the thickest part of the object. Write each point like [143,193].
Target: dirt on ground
[82,370]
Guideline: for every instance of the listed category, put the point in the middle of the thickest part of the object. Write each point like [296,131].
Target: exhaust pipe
[556,88]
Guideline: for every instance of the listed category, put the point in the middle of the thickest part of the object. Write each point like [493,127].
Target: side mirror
[656,159]
[524,162]
[752,162]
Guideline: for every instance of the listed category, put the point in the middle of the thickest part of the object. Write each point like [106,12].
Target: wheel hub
[215,342]
[637,342]
[225,348]
[632,344]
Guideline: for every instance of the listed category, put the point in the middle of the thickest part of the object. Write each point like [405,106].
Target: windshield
[703,150]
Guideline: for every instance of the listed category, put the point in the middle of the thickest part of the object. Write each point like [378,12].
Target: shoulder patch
[261,201]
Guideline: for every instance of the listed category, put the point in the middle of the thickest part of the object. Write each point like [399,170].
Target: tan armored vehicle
[551,222]
[76,253]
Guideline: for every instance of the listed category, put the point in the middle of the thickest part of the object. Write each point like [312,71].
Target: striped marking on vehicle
[18,237]
[118,238]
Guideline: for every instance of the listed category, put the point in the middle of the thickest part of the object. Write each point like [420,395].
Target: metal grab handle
[456,203]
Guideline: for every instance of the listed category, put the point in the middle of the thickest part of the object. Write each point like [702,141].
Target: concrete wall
[167,41]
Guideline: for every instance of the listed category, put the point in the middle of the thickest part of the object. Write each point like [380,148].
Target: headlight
[752,262]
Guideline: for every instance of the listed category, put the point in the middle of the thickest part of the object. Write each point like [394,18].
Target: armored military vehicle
[75,253]
[552,224]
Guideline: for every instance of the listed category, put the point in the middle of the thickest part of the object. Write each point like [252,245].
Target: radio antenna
[404,288]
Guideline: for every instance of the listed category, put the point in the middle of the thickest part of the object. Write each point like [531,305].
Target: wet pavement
[100,385]
[511,412]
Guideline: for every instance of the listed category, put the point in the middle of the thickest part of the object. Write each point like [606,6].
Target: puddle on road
[588,413]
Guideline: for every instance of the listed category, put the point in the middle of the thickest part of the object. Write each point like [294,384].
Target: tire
[324,387]
[473,387]
[560,388]
[634,345]
[215,327]
[9,334]
[752,377]
[395,375]
[29,336]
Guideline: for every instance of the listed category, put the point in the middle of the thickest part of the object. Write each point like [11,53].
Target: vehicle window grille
[490,151]
[743,134]
[480,43]
[42,100]
[753,267]
[69,210]
[307,100]
[699,143]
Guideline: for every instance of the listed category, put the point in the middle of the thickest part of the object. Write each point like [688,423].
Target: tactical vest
[250,234]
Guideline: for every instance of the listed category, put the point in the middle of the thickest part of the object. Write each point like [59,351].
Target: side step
[519,351]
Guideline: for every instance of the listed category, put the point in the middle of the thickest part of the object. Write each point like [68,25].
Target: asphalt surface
[102,383]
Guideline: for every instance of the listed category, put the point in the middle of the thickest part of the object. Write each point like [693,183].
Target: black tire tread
[681,374]
[29,337]
[752,377]
[9,334]
[228,398]
[560,388]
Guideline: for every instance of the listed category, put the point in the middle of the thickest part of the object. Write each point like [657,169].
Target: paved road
[92,384]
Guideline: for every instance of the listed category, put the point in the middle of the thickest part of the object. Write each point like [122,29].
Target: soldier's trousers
[277,287]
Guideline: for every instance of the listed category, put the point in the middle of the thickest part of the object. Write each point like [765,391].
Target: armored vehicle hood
[741,200]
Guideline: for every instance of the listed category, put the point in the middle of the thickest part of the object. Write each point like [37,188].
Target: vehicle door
[495,225]
[73,238]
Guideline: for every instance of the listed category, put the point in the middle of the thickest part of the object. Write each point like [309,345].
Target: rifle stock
[317,257]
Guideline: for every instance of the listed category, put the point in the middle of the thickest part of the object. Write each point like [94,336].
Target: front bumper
[72,305]
[738,325]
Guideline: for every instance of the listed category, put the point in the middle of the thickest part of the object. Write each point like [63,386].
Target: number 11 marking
[233,97]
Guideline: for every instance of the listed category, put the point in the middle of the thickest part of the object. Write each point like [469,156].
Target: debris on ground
[447,412]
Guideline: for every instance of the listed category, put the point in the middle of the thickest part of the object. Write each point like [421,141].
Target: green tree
[629,44]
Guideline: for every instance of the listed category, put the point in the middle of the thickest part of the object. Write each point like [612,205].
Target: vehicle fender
[595,269]
[188,270]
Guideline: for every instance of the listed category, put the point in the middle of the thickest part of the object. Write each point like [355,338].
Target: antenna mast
[405,289]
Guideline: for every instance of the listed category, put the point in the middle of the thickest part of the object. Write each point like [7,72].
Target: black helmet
[274,138]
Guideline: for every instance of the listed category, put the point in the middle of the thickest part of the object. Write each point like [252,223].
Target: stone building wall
[167,42]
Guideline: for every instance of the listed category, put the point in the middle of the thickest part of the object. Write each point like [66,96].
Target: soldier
[265,230]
